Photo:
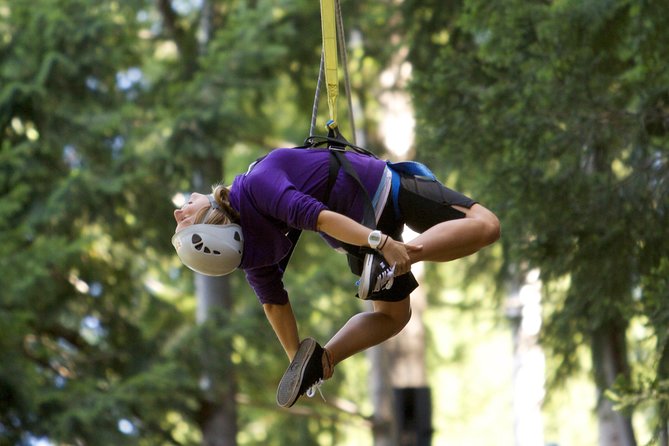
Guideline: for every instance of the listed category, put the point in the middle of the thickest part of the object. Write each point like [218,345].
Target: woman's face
[184,216]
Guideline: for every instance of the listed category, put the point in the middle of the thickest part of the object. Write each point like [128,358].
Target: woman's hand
[348,231]
[398,254]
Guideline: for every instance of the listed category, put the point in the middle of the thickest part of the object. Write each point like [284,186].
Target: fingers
[397,253]
[413,248]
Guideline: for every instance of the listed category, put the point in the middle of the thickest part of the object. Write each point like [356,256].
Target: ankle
[328,364]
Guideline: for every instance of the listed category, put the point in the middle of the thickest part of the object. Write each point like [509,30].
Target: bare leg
[454,239]
[367,329]
[446,241]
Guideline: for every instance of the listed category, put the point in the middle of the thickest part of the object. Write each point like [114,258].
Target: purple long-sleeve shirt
[286,190]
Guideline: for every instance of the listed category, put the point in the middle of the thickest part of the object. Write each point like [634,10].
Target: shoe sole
[366,277]
[289,386]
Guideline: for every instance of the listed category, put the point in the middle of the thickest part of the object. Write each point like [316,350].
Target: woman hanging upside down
[245,226]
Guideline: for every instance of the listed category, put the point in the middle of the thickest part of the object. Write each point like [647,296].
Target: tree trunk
[384,424]
[398,382]
[609,344]
[406,351]
[662,406]
[218,410]
[398,376]
[524,312]
[609,357]
[408,375]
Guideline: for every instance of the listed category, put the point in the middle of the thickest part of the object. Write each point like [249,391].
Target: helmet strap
[212,202]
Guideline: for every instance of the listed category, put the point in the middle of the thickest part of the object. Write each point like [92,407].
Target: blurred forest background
[553,113]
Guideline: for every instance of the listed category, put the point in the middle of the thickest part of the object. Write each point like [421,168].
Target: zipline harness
[333,33]
[190,244]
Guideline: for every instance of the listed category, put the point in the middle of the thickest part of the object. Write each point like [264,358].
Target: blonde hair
[225,214]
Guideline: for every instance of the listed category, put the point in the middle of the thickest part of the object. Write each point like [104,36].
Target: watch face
[374,239]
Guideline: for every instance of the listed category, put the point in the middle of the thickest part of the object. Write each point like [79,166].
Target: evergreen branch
[338,404]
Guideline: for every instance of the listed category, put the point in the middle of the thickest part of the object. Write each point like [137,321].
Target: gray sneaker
[304,373]
[376,276]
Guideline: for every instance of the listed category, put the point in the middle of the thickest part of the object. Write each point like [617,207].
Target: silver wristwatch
[374,239]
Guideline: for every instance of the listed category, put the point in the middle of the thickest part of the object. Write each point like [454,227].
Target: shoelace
[385,279]
[311,391]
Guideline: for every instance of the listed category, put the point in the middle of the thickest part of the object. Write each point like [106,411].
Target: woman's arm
[342,228]
[282,320]
[349,231]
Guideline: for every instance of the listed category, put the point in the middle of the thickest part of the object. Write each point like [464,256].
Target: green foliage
[106,110]
[83,331]
[109,108]
[567,104]
[647,389]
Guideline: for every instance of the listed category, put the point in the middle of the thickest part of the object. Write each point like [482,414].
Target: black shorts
[422,203]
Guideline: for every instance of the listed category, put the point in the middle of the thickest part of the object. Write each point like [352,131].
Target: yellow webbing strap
[329,29]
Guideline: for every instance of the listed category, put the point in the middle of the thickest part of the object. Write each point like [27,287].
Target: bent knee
[403,319]
[490,225]
[493,229]
[398,315]
[397,325]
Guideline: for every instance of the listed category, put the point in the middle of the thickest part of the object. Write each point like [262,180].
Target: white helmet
[212,250]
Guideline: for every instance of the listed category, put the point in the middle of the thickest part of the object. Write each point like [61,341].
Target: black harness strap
[368,219]
[337,145]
